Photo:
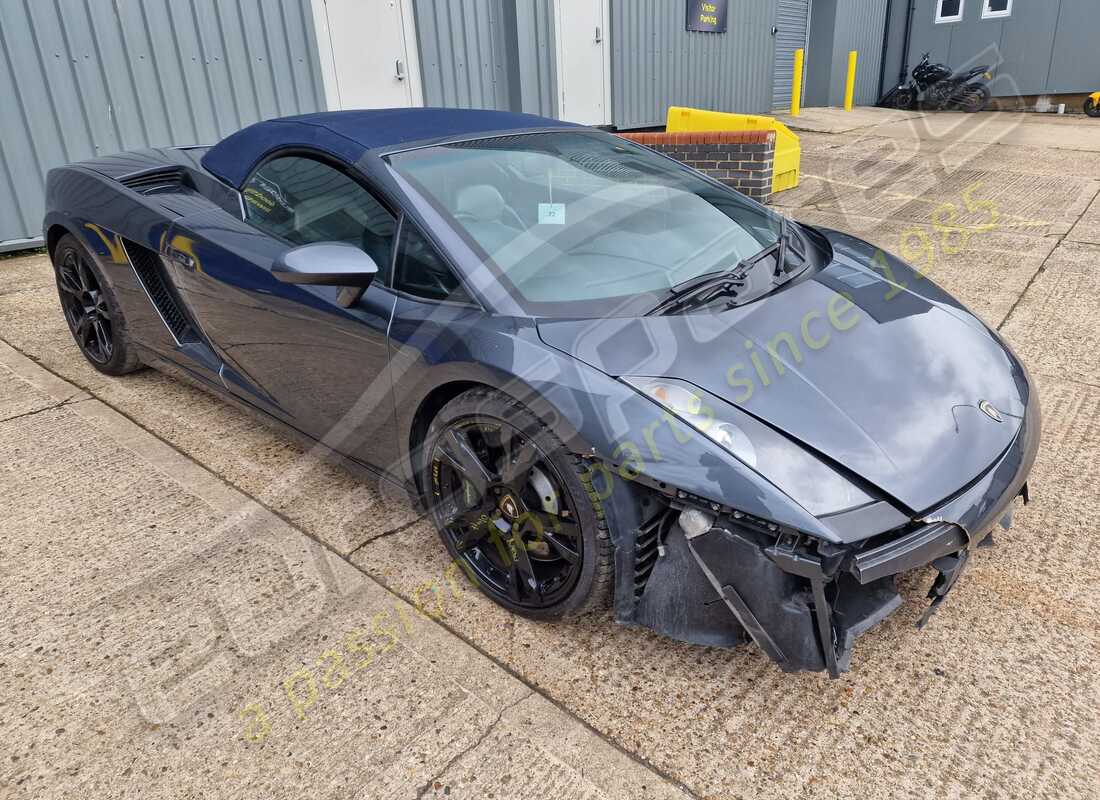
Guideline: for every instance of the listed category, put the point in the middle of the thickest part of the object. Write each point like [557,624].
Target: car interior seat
[488,218]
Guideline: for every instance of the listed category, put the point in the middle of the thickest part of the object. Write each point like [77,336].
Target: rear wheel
[1091,108]
[511,506]
[91,309]
[975,99]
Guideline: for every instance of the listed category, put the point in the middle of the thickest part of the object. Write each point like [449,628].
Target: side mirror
[328,264]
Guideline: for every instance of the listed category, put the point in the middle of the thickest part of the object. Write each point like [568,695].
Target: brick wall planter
[741,159]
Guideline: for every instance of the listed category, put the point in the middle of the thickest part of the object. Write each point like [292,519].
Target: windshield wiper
[788,246]
[709,286]
[781,256]
[703,289]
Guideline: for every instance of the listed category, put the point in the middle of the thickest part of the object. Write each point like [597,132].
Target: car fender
[626,436]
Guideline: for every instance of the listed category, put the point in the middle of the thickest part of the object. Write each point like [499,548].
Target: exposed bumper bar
[921,547]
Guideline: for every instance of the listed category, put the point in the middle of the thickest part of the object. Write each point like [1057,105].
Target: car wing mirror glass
[328,264]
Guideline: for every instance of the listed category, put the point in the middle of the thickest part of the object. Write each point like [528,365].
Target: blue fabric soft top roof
[347,135]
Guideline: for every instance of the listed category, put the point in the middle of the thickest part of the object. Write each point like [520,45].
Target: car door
[292,350]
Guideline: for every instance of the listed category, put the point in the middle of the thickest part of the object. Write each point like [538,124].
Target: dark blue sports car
[603,374]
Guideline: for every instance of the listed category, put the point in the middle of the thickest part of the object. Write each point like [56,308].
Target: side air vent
[150,271]
[160,180]
[647,548]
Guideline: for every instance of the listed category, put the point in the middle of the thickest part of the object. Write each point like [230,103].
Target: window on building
[996,8]
[950,10]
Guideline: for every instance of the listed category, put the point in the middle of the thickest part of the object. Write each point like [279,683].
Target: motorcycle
[1092,104]
[937,86]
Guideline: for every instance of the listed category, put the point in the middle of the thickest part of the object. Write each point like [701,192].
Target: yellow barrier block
[788,147]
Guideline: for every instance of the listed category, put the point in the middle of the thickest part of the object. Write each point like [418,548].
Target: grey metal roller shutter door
[792,19]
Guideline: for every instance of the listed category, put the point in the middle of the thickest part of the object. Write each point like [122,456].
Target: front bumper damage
[802,600]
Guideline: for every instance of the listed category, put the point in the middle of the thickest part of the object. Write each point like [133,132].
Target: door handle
[399,70]
[599,35]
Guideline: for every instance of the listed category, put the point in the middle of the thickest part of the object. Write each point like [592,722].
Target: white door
[368,53]
[584,61]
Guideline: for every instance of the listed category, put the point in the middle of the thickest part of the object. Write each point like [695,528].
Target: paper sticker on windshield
[551,213]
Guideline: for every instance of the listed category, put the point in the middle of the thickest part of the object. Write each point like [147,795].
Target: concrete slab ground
[168,636]
[1018,129]
[837,120]
[145,620]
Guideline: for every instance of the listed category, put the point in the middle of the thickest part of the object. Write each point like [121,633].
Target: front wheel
[905,99]
[512,508]
[1091,108]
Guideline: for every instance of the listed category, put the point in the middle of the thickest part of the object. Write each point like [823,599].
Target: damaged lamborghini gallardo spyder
[608,378]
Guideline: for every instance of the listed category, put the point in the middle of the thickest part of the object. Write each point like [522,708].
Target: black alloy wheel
[91,309]
[1091,108]
[504,508]
[85,305]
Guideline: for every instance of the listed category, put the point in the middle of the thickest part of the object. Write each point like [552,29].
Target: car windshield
[580,223]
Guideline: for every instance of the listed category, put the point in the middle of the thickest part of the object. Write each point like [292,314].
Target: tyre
[975,100]
[510,503]
[905,99]
[1091,108]
[91,309]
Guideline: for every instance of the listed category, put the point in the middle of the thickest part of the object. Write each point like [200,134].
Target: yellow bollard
[850,88]
[796,84]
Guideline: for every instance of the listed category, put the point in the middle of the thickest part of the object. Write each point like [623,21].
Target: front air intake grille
[150,271]
[168,179]
[647,548]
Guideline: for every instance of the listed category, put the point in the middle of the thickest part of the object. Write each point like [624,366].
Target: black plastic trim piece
[647,548]
[921,547]
[740,610]
[150,181]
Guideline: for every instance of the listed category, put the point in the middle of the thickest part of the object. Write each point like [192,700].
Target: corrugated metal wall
[537,57]
[655,63]
[792,17]
[1075,60]
[1042,48]
[81,78]
[463,53]
[495,54]
[838,27]
[860,26]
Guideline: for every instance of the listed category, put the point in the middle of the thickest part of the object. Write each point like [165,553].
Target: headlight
[810,482]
